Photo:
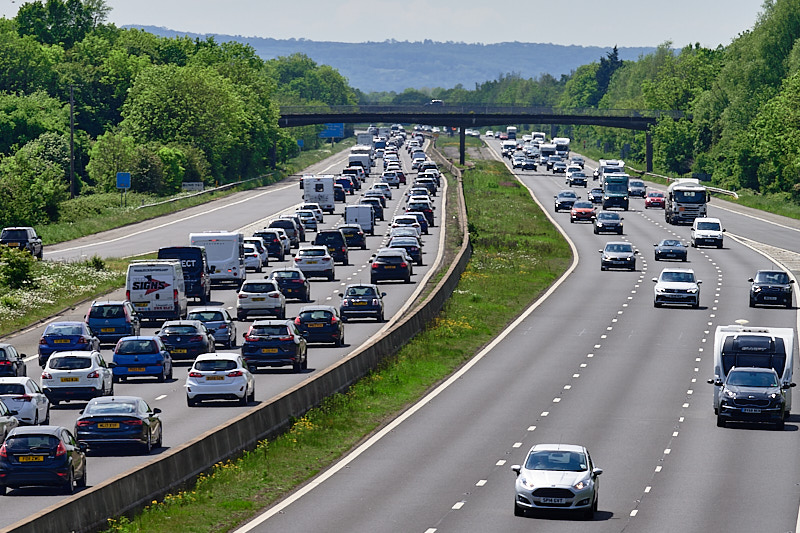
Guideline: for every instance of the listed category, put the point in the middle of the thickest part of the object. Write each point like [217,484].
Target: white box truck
[360,214]
[319,190]
[156,289]
[225,253]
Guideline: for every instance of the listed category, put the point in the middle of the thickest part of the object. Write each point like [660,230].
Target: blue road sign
[123,180]
[333,130]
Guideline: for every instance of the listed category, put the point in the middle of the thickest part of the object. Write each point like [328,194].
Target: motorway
[246,212]
[593,363]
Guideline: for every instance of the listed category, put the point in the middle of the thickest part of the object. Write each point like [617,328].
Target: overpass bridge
[472,116]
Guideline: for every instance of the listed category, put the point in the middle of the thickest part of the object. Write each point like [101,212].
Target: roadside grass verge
[94,213]
[517,254]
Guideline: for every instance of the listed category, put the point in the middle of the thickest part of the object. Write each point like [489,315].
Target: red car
[654,199]
[582,211]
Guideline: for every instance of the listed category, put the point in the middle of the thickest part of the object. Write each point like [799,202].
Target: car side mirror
[655,245]
[622,218]
[383,294]
[516,469]
[156,410]
[111,365]
[596,472]
[655,280]
[600,251]
[15,413]
[636,252]
[724,230]
[750,280]
[791,281]
[341,295]
[244,334]
[699,281]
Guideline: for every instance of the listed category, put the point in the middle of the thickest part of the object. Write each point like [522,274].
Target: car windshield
[206,316]
[312,253]
[403,241]
[689,197]
[635,183]
[12,388]
[360,291]
[619,248]
[258,287]
[269,330]
[752,379]
[608,216]
[179,330]
[557,460]
[772,277]
[55,329]
[583,205]
[713,226]
[212,365]
[107,311]
[110,408]
[316,314]
[21,443]
[69,363]
[136,346]
[655,194]
[567,195]
[669,242]
[678,277]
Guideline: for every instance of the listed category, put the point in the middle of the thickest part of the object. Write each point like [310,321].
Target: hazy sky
[580,22]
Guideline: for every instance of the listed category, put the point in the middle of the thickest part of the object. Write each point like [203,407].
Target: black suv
[752,394]
[24,238]
[273,240]
[335,240]
[771,287]
[290,227]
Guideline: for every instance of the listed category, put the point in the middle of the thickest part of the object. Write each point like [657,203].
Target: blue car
[66,337]
[421,218]
[142,356]
[320,323]
[112,320]
[274,343]
[117,421]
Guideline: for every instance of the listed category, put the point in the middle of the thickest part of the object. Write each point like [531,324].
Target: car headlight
[524,482]
[788,288]
[692,291]
[730,394]
[580,485]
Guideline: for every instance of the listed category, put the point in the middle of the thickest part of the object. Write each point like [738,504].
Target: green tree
[60,22]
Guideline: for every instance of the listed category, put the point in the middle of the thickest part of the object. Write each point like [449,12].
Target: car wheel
[69,486]
[160,442]
[380,317]
[243,400]
[305,361]
[169,375]
[518,511]
[619,231]
[241,315]
[571,220]
[696,305]
[147,447]
[656,304]
[111,390]
[2,490]
[56,402]
[330,276]
[720,421]
[260,269]
[780,425]
[82,481]
[408,279]
[282,313]
[752,303]
[297,367]
[789,304]
[162,377]
[364,246]
[191,402]
[252,396]
[46,420]
[373,281]
[602,268]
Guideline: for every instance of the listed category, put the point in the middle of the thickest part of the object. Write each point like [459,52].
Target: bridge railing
[478,108]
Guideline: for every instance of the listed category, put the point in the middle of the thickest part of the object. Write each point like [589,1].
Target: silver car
[218,322]
[557,477]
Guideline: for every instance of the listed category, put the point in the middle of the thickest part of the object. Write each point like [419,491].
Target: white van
[319,190]
[360,214]
[707,231]
[225,252]
[156,289]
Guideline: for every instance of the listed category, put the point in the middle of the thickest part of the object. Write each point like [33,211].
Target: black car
[565,199]
[336,243]
[354,236]
[362,301]
[377,206]
[290,227]
[186,339]
[12,363]
[273,241]
[292,283]
[422,207]
[771,287]
[24,238]
[607,222]
[596,195]
[42,456]
[751,394]
[671,249]
[410,245]
[119,421]
[339,194]
[219,323]
[274,343]
[529,163]
[391,264]
[320,323]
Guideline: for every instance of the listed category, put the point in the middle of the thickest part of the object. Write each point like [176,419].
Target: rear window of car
[69,363]
[210,365]
[312,253]
[267,331]
[328,238]
[179,330]
[134,346]
[14,234]
[386,258]
[258,287]
[31,443]
[360,291]
[107,311]
[63,330]
[286,274]
[3,355]
[206,316]
[110,408]
[12,388]
[317,314]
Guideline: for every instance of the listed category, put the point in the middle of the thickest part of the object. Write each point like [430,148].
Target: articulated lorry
[685,201]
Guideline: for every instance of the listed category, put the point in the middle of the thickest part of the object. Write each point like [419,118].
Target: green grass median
[517,254]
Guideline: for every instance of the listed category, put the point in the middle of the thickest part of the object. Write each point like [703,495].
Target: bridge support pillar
[462,146]
[648,151]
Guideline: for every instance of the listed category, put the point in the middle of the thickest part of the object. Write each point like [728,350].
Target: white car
[76,376]
[311,206]
[261,246]
[384,188]
[391,178]
[25,397]
[252,258]
[556,477]
[676,286]
[219,376]
[407,221]
[260,297]
[315,261]
[489,133]
[308,218]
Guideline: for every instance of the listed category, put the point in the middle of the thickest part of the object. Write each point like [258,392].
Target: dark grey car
[219,323]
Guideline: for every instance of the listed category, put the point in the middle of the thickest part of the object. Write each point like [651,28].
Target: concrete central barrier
[131,491]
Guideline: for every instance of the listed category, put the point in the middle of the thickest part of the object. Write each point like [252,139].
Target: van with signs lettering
[195,269]
[156,289]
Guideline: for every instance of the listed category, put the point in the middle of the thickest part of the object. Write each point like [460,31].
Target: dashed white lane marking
[458,505]
[501,462]
[481,483]
[161,397]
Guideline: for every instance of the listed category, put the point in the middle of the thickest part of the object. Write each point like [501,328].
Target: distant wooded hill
[398,65]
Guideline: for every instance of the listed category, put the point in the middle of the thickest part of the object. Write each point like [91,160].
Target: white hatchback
[24,396]
[315,261]
[311,206]
[77,376]
[219,376]
[260,297]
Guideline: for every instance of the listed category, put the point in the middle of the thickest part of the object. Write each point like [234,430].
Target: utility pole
[71,141]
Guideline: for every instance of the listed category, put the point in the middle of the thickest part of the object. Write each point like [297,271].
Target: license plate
[214,378]
[31,458]
[136,369]
[389,267]
[67,380]
[140,304]
[61,341]
[312,262]
[179,350]
[258,299]
[107,330]
[269,350]
[13,244]
[751,410]
[108,425]
[315,325]
[553,500]
[360,303]
[770,297]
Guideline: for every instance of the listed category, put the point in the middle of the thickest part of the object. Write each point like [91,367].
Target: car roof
[361,285]
[559,447]
[271,322]
[207,308]
[108,302]
[766,370]
[76,353]
[14,379]
[312,247]
[218,355]
[118,398]
[140,337]
[36,430]
[678,270]
[195,323]
[318,308]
